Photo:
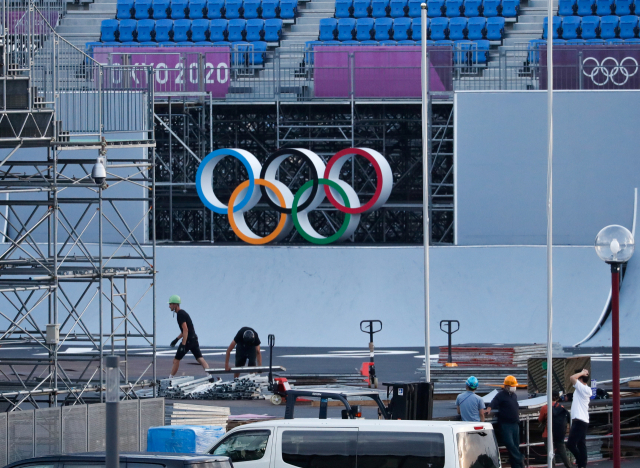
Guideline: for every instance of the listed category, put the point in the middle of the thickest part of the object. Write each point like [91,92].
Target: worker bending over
[247,344]
[188,336]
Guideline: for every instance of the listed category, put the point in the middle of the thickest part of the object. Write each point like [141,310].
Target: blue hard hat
[472,382]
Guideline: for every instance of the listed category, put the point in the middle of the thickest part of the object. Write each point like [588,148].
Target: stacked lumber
[199,415]
[504,356]
[451,380]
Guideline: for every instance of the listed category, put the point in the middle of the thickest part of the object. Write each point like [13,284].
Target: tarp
[177,68]
[592,67]
[183,438]
[379,71]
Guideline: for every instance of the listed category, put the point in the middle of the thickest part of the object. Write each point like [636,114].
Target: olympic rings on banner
[294,210]
[610,68]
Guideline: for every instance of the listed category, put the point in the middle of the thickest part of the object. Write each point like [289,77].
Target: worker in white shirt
[579,417]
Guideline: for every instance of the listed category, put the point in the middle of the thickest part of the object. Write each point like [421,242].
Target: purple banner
[177,69]
[379,71]
[19,22]
[592,67]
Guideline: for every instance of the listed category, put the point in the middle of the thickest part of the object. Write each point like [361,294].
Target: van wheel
[276,399]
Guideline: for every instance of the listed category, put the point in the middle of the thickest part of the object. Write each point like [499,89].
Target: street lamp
[113,397]
[614,244]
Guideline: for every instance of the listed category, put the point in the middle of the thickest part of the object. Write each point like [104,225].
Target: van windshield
[478,449]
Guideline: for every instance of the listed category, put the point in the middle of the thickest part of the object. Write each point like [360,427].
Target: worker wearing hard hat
[506,404]
[187,335]
[470,406]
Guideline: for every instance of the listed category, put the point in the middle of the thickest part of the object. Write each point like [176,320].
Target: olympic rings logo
[294,209]
[610,74]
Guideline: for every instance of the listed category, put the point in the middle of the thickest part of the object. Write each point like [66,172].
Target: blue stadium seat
[234,9]
[179,9]
[182,30]
[481,51]
[128,30]
[632,41]
[369,43]
[199,30]
[510,8]
[407,43]
[473,8]
[125,9]
[259,52]
[557,23]
[610,27]
[164,30]
[109,30]
[628,27]
[218,30]
[351,43]
[614,42]
[144,9]
[222,44]
[570,27]
[197,9]
[439,29]
[328,29]
[270,9]
[252,9]
[590,27]
[239,52]
[416,28]
[362,8]
[594,42]
[344,8]
[415,8]
[308,51]
[237,30]
[272,30]
[492,8]
[575,42]
[388,43]
[146,30]
[255,30]
[457,29]
[161,9]
[454,8]
[346,29]
[495,29]
[477,28]
[215,9]
[443,43]
[288,9]
[586,7]
[461,50]
[625,7]
[560,42]
[380,8]
[567,7]
[533,50]
[384,29]
[399,8]
[401,28]
[605,7]
[364,29]
[435,8]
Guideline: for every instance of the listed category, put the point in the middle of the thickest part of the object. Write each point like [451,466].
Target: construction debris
[452,379]
[352,379]
[251,387]
[508,356]
[176,414]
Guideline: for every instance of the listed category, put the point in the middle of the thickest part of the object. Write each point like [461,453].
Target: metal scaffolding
[187,129]
[77,258]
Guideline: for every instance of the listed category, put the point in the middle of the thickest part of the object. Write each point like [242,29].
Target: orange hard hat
[510,381]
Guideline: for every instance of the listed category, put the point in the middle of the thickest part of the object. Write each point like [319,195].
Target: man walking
[247,344]
[579,417]
[506,403]
[187,335]
[470,406]
[559,421]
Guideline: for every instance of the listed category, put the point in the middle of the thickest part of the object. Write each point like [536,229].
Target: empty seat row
[435,8]
[596,7]
[533,55]
[383,29]
[161,31]
[378,8]
[593,27]
[200,9]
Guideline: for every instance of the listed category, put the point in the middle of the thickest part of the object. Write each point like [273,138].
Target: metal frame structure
[78,262]
[188,129]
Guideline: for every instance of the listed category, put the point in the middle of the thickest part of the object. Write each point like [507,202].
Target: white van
[360,443]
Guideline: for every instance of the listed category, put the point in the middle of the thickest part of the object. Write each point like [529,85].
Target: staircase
[308,22]
[82,22]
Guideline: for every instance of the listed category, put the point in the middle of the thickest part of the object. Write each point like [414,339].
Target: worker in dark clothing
[247,344]
[559,427]
[506,404]
[187,335]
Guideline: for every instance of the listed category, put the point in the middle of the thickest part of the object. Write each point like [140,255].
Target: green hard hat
[175,299]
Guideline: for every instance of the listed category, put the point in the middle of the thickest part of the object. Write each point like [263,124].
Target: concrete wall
[315,296]
[501,164]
